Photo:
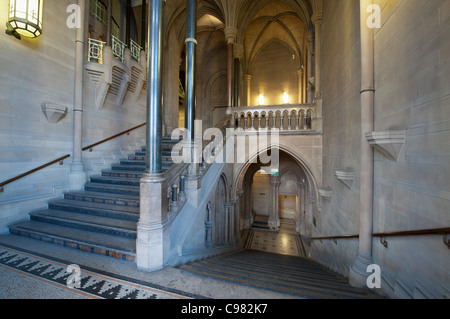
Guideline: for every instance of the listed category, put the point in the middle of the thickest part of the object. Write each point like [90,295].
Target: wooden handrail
[90,147]
[435,231]
[62,158]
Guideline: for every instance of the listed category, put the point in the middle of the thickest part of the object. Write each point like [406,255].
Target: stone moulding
[53,112]
[345,176]
[389,143]
[326,192]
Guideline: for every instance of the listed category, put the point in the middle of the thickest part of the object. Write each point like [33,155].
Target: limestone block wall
[412,95]
[341,134]
[412,74]
[41,71]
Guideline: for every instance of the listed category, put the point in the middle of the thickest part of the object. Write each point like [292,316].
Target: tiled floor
[285,241]
[38,272]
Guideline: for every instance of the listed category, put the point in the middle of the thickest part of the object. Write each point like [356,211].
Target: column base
[358,271]
[274,224]
[151,246]
[77,177]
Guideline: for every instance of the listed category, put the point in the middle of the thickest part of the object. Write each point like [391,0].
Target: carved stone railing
[292,117]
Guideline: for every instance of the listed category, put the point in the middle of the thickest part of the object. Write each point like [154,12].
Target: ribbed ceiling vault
[257,22]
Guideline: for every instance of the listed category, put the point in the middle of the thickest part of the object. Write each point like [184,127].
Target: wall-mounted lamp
[285,98]
[25,18]
[261,99]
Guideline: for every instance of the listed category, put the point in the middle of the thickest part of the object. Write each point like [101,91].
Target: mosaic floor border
[93,283]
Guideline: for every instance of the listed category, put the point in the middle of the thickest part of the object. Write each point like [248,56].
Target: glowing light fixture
[285,98]
[261,99]
[25,18]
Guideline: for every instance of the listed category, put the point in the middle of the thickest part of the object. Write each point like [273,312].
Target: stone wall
[412,75]
[412,95]
[41,71]
[341,78]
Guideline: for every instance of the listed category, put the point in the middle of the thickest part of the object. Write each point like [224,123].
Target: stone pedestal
[152,233]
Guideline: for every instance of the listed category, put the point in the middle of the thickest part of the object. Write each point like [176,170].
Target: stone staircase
[291,275]
[100,219]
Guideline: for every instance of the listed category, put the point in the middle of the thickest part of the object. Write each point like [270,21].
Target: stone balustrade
[289,117]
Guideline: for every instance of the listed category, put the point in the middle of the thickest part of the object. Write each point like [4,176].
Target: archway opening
[282,199]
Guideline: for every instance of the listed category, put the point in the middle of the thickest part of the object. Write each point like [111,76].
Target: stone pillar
[230,35]
[152,233]
[246,216]
[209,224]
[248,79]
[274,218]
[234,223]
[301,207]
[227,228]
[317,21]
[358,271]
[300,85]
[77,177]
[238,50]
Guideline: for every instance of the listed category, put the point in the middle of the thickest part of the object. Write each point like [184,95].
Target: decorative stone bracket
[390,143]
[346,176]
[115,77]
[53,112]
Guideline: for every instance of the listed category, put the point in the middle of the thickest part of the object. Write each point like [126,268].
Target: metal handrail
[61,159]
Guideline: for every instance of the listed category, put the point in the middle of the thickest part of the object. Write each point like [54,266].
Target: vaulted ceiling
[258,23]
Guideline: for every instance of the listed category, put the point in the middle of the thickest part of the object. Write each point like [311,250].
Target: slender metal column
[191,51]
[144,24]
[108,23]
[128,24]
[154,89]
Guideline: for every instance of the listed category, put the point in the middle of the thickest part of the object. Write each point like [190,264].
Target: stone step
[292,275]
[93,242]
[115,180]
[142,163]
[119,167]
[104,210]
[125,174]
[302,278]
[165,157]
[105,198]
[98,224]
[112,189]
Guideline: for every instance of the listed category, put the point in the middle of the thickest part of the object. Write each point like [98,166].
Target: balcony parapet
[286,118]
